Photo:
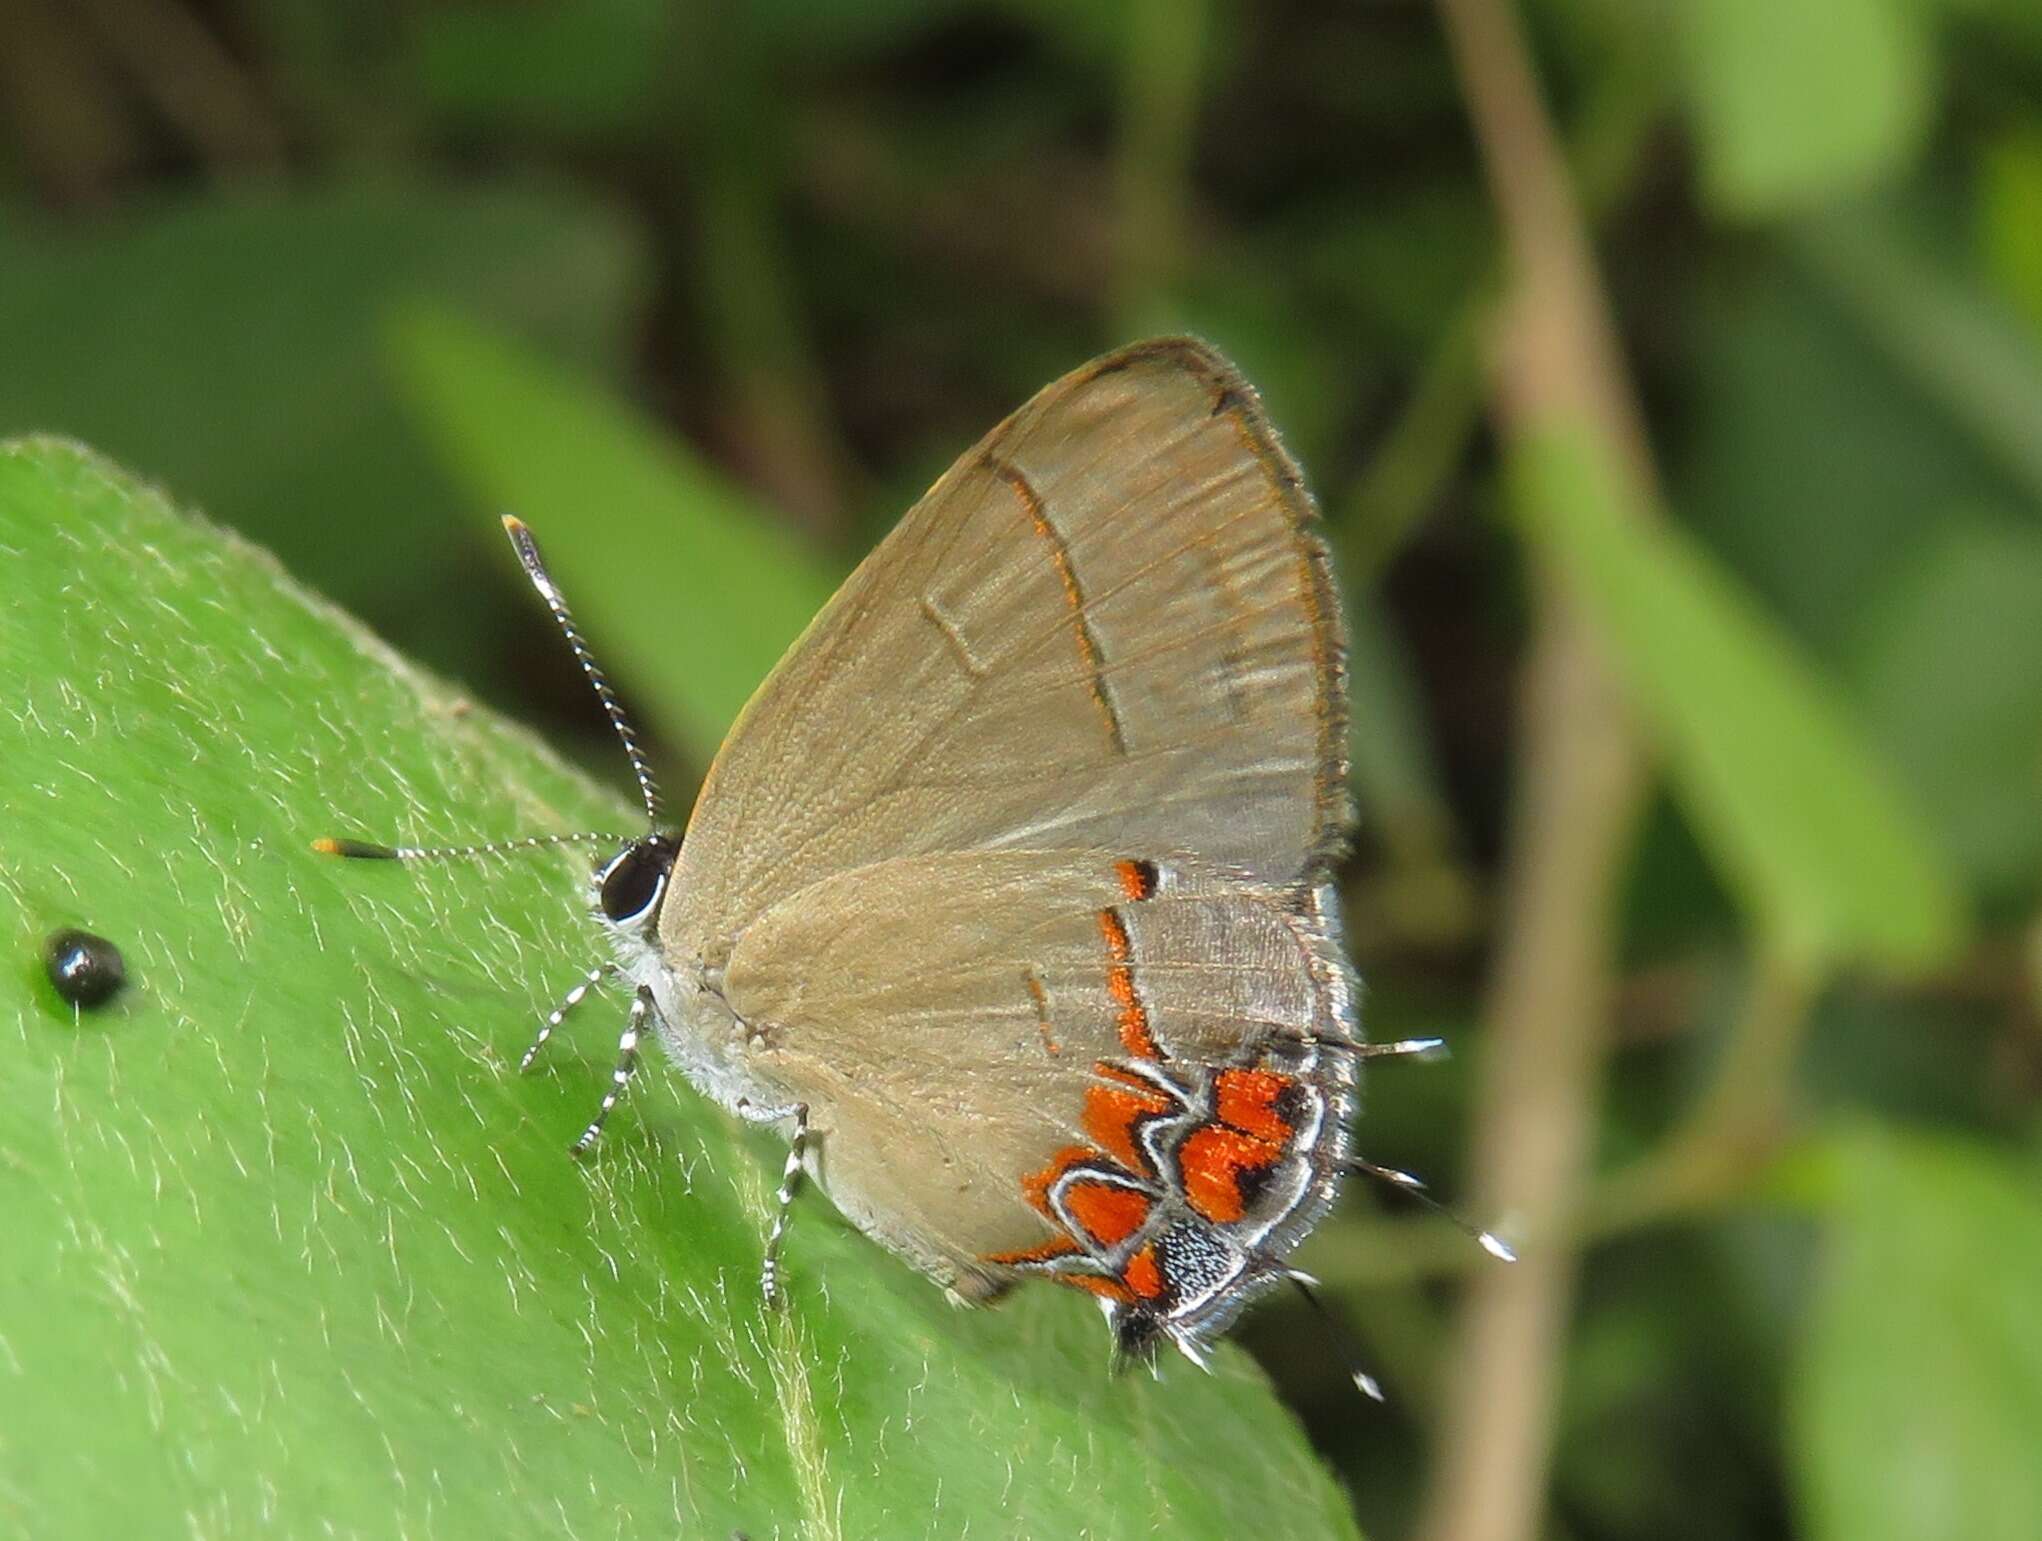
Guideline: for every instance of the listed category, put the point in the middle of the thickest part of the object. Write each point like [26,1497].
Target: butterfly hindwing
[960,1023]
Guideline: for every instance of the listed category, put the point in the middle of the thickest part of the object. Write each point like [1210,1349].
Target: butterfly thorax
[696,1025]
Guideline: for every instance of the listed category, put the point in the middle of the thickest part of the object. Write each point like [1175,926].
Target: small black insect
[86,969]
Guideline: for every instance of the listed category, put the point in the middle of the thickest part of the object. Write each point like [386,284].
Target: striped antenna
[1406,1182]
[1343,1340]
[365,850]
[535,568]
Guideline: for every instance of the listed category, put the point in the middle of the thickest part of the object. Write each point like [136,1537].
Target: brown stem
[1558,365]
[1536,1100]
[1166,41]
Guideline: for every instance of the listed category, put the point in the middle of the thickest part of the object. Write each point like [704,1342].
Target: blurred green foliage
[709,294]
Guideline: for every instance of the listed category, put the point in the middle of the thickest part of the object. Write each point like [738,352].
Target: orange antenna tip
[361,850]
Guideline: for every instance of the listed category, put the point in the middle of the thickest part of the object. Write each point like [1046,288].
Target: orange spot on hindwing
[1036,1185]
[1134,1016]
[1138,879]
[1048,1252]
[1098,1284]
[1254,1101]
[1107,1212]
[1222,1170]
[1174,1159]
[1144,1274]
[1113,1115]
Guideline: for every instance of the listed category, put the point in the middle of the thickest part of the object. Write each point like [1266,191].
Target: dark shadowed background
[1698,738]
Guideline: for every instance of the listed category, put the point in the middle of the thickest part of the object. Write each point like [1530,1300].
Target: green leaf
[1798,104]
[1967,352]
[1809,462]
[1919,1387]
[2010,221]
[1951,665]
[692,591]
[585,70]
[1776,779]
[229,347]
[291,1248]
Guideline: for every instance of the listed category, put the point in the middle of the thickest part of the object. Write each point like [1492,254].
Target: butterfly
[1009,897]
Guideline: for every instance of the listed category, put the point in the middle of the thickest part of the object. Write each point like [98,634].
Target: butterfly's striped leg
[558,1014]
[627,1062]
[783,1201]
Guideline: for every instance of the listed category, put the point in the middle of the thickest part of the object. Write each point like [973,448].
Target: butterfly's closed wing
[1007,898]
[968,1027]
[1109,626]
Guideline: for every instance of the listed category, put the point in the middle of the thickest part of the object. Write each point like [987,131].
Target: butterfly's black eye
[631,885]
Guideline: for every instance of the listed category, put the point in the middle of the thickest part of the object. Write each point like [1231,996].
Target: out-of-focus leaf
[2013,27]
[578,69]
[1400,799]
[1094,32]
[1793,808]
[1813,463]
[1403,269]
[1966,352]
[1306,384]
[1951,672]
[1667,1351]
[809,32]
[690,589]
[292,1250]
[1394,765]
[1919,1384]
[1797,104]
[229,348]
[1911,1056]
[587,69]
[2010,222]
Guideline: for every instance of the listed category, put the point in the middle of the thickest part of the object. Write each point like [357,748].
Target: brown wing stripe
[1134,1016]
[1042,1022]
[1060,559]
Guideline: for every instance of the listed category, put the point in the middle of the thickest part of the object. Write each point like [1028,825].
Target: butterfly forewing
[1109,625]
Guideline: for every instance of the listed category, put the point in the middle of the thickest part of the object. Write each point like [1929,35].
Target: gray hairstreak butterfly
[1008,898]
